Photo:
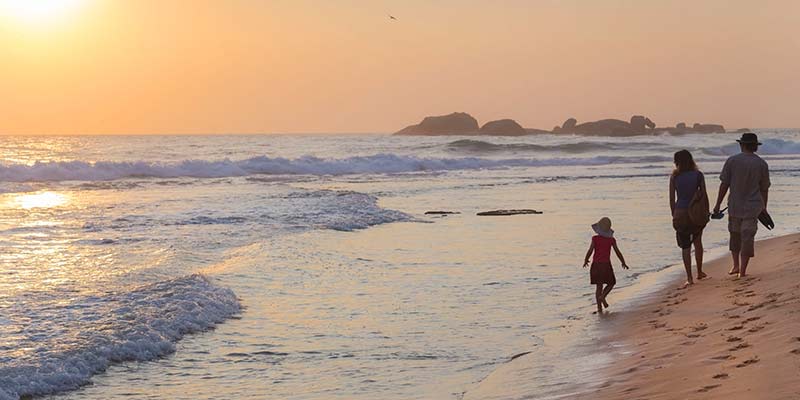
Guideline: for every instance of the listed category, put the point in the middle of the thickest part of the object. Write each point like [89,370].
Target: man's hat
[749,138]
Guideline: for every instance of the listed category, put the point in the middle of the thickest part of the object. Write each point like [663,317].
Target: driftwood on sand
[508,212]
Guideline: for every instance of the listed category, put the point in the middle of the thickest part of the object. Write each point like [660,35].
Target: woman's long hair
[683,162]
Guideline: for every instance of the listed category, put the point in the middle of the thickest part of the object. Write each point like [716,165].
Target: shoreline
[722,338]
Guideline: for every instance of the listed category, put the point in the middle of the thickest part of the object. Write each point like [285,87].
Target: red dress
[601,271]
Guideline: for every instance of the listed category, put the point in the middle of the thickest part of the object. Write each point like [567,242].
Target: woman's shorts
[685,231]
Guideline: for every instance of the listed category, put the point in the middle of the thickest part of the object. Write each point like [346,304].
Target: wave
[479,146]
[769,147]
[88,336]
[308,165]
[316,209]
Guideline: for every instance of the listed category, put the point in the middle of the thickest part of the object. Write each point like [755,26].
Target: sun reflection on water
[40,200]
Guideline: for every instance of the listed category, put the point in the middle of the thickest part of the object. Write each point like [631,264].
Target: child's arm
[588,254]
[619,254]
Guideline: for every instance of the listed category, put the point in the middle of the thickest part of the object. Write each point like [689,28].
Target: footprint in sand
[739,347]
[720,376]
[707,388]
[749,361]
[795,352]
[699,327]
[756,328]
[736,328]
[751,319]
[732,316]
[733,339]
[723,357]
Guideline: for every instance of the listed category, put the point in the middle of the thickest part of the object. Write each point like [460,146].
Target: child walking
[601,272]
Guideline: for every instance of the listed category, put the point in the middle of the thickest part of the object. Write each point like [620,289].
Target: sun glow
[37,11]
[40,200]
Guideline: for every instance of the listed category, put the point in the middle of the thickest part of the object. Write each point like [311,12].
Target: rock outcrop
[460,123]
[457,123]
[708,128]
[503,127]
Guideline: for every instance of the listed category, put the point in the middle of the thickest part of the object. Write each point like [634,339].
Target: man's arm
[725,183]
[765,184]
[723,190]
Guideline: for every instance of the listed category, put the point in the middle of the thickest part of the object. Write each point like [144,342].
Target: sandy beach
[722,338]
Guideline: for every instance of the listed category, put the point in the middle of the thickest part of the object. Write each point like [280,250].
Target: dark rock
[441,212]
[508,212]
[605,127]
[503,127]
[681,125]
[569,124]
[639,124]
[534,131]
[451,124]
[743,130]
[708,128]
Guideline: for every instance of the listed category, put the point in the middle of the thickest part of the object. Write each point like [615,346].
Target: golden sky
[249,66]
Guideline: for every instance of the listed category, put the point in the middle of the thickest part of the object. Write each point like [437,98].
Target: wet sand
[722,338]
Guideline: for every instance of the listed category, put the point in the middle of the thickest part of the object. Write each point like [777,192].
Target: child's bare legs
[698,255]
[606,291]
[598,295]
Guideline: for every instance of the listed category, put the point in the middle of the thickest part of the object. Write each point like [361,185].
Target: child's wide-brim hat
[603,227]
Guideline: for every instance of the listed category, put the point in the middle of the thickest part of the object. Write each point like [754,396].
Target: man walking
[747,177]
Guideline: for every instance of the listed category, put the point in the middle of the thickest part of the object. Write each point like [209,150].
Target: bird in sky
[392,17]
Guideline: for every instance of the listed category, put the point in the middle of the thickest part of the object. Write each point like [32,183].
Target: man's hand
[585,263]
[625,266]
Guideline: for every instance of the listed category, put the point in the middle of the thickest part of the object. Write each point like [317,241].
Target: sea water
[304,267]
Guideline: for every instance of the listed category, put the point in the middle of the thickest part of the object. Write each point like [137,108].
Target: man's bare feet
[701,275]
[733,271]
[605,304]
[740,275]
[687,284]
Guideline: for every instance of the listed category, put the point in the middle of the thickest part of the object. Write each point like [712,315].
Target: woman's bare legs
[698,255]
[687,264]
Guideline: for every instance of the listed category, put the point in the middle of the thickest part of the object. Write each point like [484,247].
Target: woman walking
[688,201]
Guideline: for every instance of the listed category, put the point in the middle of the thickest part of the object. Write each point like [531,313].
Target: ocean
[305,267]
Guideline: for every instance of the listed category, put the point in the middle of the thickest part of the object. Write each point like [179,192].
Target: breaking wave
[769,147]
[479,146]
[308,165]
[90,334]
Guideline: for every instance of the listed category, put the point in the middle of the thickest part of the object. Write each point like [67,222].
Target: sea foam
[307,165]
[139,325]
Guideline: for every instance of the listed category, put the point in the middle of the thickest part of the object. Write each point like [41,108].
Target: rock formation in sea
[460,123]
[503,127]
[457,123]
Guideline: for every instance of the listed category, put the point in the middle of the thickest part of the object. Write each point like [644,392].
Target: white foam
[139,325]
[769,147]
[307,165]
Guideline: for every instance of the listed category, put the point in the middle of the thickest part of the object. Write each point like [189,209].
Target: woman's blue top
[686,184]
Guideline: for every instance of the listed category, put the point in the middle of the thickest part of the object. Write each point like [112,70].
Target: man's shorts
[743,235]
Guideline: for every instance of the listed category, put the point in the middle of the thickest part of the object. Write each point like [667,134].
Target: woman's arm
[588,254]
[672,194]
[619,254]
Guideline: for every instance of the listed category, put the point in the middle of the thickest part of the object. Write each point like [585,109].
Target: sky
[304,66]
